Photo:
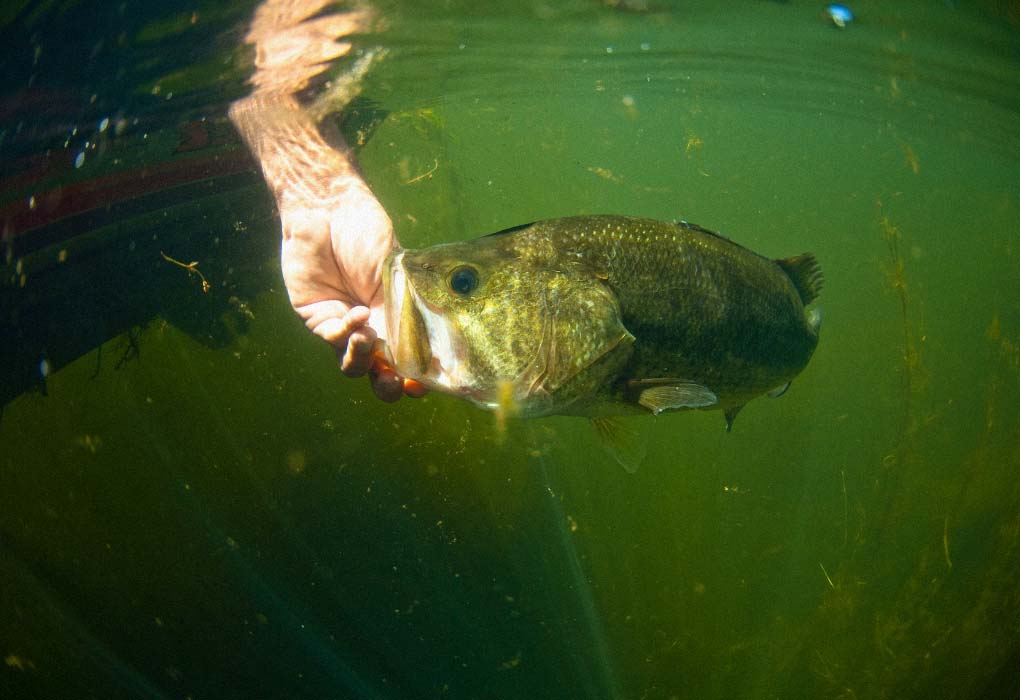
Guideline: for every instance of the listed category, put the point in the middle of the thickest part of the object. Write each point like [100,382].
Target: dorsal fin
[806,275]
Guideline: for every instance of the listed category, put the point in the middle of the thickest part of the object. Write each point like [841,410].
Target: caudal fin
[806,275]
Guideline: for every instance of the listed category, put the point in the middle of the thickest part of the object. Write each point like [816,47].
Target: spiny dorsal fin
[806,275]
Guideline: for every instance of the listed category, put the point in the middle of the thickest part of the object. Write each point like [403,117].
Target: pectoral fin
[658,395]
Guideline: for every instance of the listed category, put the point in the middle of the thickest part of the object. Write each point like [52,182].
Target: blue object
[840,15]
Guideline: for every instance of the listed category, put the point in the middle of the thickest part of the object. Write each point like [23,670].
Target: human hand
[336,234]
[332,266]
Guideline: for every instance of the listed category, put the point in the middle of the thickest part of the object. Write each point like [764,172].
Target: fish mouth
[422,342]
[407,337]
[393,298]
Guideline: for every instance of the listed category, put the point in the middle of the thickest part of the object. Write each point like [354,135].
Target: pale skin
[336,234]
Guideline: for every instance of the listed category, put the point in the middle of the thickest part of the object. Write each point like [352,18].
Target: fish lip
[394,281]
[407,350]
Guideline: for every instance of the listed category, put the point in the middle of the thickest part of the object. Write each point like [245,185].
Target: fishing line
[600,682]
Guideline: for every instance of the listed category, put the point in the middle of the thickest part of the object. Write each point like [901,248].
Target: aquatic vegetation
[913,370]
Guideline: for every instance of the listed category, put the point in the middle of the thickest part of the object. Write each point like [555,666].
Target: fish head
[499,321]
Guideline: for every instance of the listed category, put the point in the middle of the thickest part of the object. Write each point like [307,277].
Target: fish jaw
[424,344]
[394,295]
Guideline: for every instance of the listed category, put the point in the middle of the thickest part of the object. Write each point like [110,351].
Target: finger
[334,326]
[415,389]
[386,384]
[358,358]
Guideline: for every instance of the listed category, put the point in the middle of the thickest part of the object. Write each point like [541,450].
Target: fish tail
[806,275]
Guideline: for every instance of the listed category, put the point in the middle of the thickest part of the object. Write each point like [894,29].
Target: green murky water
[195,504]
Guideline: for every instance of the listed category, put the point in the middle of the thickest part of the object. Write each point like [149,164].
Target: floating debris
[945,542]
[19,662]
[630,105]
[604,173]
[912,161]
[191,267]
[840,15]
[425,175]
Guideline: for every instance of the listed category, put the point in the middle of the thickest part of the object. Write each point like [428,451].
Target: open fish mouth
[407,338]
[422,343]
[394,282]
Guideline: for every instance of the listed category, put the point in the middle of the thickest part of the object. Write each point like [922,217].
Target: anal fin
[731,414]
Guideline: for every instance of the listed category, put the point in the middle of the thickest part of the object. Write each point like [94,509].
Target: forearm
[336,235]
[300,167]
[305,164]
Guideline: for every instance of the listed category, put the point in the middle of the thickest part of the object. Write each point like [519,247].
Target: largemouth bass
[600,316]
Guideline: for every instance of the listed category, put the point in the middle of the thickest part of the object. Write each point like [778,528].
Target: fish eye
[464,280]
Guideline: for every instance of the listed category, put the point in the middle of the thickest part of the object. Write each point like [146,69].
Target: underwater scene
[196,502]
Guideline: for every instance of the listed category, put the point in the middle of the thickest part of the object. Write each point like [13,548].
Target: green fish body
[601,316]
